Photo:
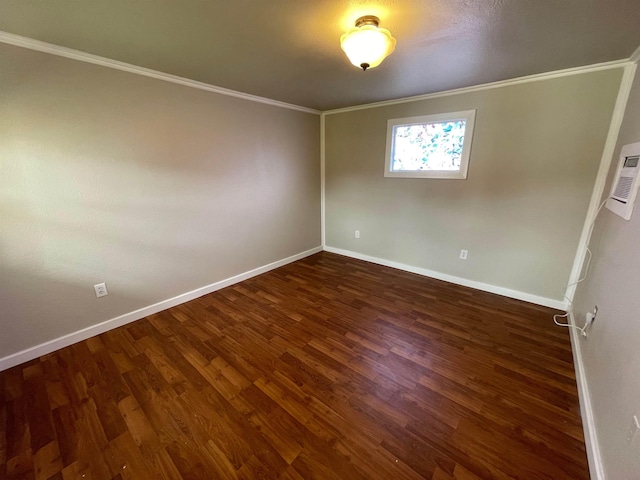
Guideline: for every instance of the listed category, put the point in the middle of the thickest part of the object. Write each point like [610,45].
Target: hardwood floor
[327,368]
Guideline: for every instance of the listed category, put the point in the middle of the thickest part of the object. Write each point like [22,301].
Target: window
[431,146]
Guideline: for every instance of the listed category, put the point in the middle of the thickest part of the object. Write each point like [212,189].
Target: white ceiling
[289,50]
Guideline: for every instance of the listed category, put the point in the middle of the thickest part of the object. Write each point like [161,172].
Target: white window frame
[468,115]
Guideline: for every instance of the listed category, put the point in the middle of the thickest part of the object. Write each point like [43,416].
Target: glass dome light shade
[367,46]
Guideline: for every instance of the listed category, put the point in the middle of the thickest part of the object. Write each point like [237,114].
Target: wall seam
[601,178]
[322,180]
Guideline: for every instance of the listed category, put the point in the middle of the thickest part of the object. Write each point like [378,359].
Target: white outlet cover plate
[101,290]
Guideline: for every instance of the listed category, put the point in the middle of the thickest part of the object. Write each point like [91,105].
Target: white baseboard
[71,338]
[588,424]
[527,297]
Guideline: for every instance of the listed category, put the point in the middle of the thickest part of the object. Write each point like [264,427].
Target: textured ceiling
[289,50]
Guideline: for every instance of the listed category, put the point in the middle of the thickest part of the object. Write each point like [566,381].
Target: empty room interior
[319,240]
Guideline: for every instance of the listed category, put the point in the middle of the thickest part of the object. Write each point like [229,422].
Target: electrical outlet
[633,428]
[590,317]
[357,233]
[463,254]
[101,290]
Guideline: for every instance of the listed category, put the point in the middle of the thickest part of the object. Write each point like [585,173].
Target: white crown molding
[488,86]
[32,44]
[592,445]
[485,287]
[635,56]
[93,330]
[37,45]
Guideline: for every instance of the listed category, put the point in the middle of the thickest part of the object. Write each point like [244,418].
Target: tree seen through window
[429,146]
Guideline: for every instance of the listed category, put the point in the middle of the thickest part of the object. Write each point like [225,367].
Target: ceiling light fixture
[366,45]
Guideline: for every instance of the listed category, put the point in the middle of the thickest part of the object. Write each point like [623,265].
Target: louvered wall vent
[625,185]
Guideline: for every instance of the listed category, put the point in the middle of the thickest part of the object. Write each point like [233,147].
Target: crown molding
[635,56]
[488,86]
[37,45]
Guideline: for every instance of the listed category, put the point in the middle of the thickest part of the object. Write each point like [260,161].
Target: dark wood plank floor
[327,368]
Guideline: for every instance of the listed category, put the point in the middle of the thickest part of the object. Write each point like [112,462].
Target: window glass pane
[429,146]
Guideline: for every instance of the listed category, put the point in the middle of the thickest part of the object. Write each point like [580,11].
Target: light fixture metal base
[368,20]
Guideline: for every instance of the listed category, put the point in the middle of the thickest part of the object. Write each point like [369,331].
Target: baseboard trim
[588,423]
[74,337]
[506,292]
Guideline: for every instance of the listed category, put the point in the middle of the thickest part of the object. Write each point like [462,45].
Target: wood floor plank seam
[326,368]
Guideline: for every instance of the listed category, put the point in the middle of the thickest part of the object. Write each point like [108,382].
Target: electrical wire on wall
[583,329]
